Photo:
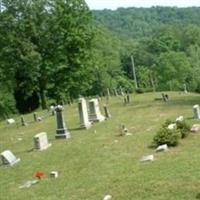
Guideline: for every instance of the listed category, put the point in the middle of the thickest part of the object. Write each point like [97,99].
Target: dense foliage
[54,51]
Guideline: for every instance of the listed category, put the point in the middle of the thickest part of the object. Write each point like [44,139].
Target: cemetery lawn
[97,161]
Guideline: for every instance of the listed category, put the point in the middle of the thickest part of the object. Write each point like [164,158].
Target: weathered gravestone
[107,113]
[8,158]
[61,131]
[83,113]
[95,113]
[41,141]
[52,108]
[35,117]
[185,88]
[196,111]
[23,122]
[10,121]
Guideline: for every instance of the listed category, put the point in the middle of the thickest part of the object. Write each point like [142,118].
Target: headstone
[107,197]
[8,158]
[41,141]
[163,147]
[10,121]
[23,123]
[196,111]
[179,119]
[54,174]
[147,158]
[107,113]
[121,91]
[164,97]
[123,130]
[52,108]
[128,98]
[172,126]
[95,113]
[195,128]
[115,92]
[83,114]
[185,88]
[61,131]
[35,117]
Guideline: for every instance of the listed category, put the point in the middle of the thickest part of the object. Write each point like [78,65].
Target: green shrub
[184,128]
[167,136]
[167,123]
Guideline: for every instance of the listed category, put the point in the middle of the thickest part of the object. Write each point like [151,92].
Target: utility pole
[134,74]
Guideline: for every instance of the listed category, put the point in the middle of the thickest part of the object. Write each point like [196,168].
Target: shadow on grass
[198,196]
[76,129]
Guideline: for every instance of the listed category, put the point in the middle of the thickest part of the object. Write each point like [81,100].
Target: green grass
[91,164]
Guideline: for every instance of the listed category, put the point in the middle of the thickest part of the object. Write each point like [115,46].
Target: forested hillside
[143,22]
[54,51]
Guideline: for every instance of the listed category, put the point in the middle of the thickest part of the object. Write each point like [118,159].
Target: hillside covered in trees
[54,51]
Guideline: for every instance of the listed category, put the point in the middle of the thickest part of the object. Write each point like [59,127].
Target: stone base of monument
[62,134]
[95,118]
[86,126]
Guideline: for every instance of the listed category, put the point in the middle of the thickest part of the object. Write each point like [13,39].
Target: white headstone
[95,113]
[196,111]
[10,121]
[147,158]
[195,128]
[179,119]
[8,158]
[163,147]
[172,126]
[41,141]
[54,174]
[83,113]
[107,197]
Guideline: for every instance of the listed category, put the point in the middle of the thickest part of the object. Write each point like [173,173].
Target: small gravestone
[54,174]
[171,126]
[107,113]
[52,108]
[95,113]
[164,97]
[23,123]
[107,197]
[83,113]
[128,98]
[8,158]
[163,147]
[121,91]
[196,111]
[195,128]
[116,93]
[147,158]
[10,121]
[179,119]
[61,131]
[185,88]
[35,117]
[41,141]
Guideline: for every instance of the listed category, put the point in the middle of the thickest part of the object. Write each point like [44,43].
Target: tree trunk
[43,99]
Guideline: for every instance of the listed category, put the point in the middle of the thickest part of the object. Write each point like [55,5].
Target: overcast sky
[113,4]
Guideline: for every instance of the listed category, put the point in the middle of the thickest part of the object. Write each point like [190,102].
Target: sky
[114,4]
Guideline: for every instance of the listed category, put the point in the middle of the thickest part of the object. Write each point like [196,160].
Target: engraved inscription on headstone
[95,113]
[41,141]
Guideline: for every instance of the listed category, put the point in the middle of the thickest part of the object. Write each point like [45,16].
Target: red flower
[39,174]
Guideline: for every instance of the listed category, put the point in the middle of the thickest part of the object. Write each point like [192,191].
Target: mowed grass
[92,163]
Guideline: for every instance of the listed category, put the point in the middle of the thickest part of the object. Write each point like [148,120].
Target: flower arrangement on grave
[39,174]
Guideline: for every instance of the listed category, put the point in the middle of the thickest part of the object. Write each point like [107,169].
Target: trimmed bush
[167,136]
[184,128]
